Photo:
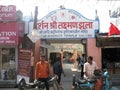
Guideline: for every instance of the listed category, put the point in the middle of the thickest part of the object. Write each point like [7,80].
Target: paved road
[66,81]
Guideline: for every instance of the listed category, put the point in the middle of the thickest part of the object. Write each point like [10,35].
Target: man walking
[42,71]
[82,61]
[57,69]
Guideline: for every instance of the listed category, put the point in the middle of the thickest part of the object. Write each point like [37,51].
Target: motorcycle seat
[82,81]
[92,80]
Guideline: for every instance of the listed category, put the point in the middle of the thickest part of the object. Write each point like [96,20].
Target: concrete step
[115,79]
[7,83]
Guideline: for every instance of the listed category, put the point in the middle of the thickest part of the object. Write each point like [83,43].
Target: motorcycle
[84,84]
[89,84]
[23,85]
[107,84]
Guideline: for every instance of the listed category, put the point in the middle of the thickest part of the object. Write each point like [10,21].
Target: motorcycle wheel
[21,85]
[85,88]
[77,88]
[40,89]
[114,88]
[82,88]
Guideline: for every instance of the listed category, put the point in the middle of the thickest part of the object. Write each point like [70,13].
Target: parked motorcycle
[107,84]
[23,85]
[84,84]
[88,84]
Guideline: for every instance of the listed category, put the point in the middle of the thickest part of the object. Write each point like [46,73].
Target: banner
[24,62]
[7,13]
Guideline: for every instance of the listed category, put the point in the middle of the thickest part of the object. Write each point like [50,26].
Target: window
[8,69]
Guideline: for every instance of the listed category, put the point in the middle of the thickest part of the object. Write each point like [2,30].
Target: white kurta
[89,69]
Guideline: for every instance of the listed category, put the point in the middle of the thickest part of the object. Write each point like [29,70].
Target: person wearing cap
[43,70]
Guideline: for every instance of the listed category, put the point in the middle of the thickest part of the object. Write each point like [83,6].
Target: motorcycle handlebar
[53,78]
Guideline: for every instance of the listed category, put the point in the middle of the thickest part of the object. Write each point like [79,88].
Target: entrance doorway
[69,51]
[111,59]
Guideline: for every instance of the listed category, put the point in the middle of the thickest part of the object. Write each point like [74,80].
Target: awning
[36,38]
[47,46]
[33,38]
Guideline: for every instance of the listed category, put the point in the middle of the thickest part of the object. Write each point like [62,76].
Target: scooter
[83,84]
[23,85]
[87,84]
[107,84]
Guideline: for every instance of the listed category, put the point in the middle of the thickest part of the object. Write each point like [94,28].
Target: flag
[113,30]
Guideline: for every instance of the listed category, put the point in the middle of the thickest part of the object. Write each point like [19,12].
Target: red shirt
[42,70]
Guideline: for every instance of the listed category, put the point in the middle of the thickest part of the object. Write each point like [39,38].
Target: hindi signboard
[66,23]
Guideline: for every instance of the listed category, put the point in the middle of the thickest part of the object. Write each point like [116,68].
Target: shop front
[11,36]
[110,50]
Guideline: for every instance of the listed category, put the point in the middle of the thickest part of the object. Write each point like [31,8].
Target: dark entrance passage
[111,59]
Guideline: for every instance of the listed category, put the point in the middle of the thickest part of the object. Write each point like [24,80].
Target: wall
[94,51]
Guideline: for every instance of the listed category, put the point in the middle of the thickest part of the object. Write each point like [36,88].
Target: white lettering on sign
[6,15]
[7,33]
[7,9]
[4,38]
[10,41]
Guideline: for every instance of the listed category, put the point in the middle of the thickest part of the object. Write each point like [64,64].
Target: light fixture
[83,41]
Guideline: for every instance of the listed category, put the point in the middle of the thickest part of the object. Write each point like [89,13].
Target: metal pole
[35,18]
[33,49]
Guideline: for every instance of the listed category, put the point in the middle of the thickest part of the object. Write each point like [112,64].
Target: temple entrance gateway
[67,27]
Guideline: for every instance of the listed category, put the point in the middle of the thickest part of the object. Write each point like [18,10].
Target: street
[66,81]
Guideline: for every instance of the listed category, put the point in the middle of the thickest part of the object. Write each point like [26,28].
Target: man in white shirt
[89,68]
